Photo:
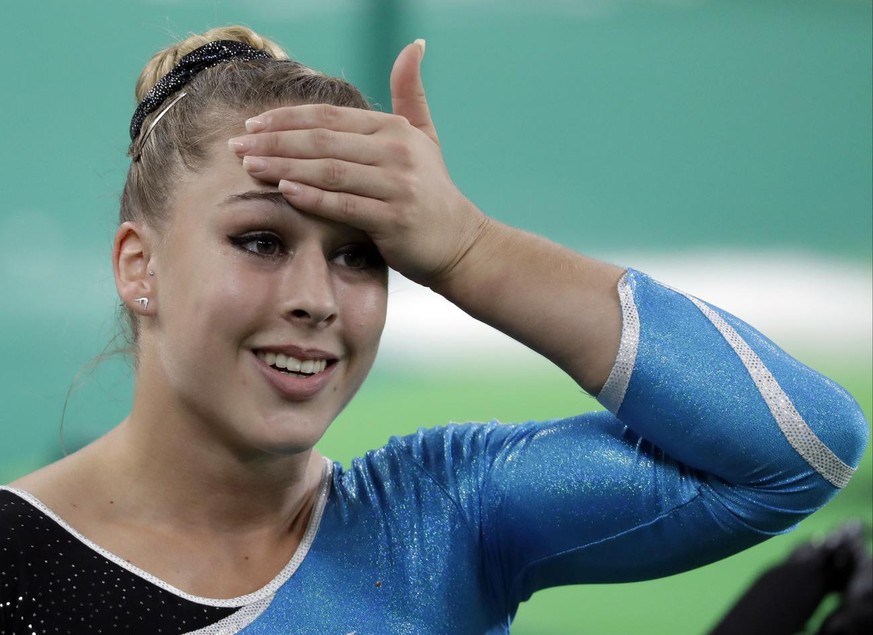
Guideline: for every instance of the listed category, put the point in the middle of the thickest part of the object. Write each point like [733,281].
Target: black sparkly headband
[198,60]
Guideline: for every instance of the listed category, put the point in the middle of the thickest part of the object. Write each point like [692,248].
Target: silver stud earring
[143,303]
[151,273]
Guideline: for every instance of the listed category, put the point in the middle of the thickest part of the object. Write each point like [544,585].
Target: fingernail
[256,124]
[255,164]
[239,144]
[289,187]
[422,45]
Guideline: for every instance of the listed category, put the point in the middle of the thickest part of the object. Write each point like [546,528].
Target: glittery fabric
[447,530]
[51,582]
[790,421]
[198,60]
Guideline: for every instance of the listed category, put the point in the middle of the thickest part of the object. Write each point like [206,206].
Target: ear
[132,262]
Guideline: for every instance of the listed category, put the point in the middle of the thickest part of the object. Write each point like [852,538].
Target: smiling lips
[292,364]
[295,378]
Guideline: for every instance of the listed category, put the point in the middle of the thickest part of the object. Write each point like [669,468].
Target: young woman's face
[267,320]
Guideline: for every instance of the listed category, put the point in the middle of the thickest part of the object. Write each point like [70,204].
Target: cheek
[374,310]
[228,304]
[209,300]
[366,309]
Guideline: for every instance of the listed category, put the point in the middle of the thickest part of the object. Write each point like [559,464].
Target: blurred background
[721,146]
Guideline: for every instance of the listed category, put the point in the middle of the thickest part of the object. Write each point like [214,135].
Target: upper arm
[697,459]
[586,500]
[719,440]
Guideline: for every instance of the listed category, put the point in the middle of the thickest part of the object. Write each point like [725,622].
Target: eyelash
[259,237]
[372,257]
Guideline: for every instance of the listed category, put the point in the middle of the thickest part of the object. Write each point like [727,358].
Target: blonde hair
[163,61]
[218,100]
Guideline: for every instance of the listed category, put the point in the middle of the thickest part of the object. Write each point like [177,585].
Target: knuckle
[397,121]
[348,206]
[411,189]
[329,113]
[404,221]
[283,169]
[408,187]
[269,144]
[322,139]
[334,173]
[401,152]
[317,199]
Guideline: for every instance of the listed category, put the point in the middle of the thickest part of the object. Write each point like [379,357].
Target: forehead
[222,188]
[220,176]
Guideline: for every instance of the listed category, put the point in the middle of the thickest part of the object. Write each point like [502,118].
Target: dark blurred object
[783,599]
[854,615]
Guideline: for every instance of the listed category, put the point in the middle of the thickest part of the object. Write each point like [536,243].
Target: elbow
[828,434]
[843,432]
[857,430]
[816,469]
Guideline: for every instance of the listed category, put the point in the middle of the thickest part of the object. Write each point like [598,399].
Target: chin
[288,435]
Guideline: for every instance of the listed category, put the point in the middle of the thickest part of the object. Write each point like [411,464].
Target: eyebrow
[271,196]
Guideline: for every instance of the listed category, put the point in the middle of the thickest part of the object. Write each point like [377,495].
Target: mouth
[295,366]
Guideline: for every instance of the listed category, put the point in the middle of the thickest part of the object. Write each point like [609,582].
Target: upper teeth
[308,367]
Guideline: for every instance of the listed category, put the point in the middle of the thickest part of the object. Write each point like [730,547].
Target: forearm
[559,303]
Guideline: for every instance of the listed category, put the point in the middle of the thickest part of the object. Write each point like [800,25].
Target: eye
[358,257]
[264,244]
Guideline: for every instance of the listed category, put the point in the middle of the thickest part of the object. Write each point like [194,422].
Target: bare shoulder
[41,479]
[63,482]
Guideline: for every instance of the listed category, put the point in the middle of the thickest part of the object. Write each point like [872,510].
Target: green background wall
[630,129]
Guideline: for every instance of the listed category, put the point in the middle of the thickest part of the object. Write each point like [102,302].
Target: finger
[309,144]
[339,118]
[326,174]
[407,90]
[341,207]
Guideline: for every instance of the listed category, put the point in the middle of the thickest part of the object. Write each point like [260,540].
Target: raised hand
[385,174]
[382,173]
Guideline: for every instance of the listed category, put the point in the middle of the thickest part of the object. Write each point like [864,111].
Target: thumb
[407,89]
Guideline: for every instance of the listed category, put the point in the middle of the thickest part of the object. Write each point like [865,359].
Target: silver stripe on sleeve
[613,391]
[796,430]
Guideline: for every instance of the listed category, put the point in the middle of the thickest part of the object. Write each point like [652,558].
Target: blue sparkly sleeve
[716,394]
[714,440]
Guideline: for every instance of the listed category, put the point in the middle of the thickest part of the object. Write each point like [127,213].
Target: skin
[212,459]
[385,174]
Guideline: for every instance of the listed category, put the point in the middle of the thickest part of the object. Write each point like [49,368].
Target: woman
[257,225]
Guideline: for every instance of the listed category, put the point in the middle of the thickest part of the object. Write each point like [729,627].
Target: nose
[309,296]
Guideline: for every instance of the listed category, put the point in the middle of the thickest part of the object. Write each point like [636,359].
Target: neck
[165,471]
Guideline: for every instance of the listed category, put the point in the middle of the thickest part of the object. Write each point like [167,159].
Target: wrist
[475,239]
